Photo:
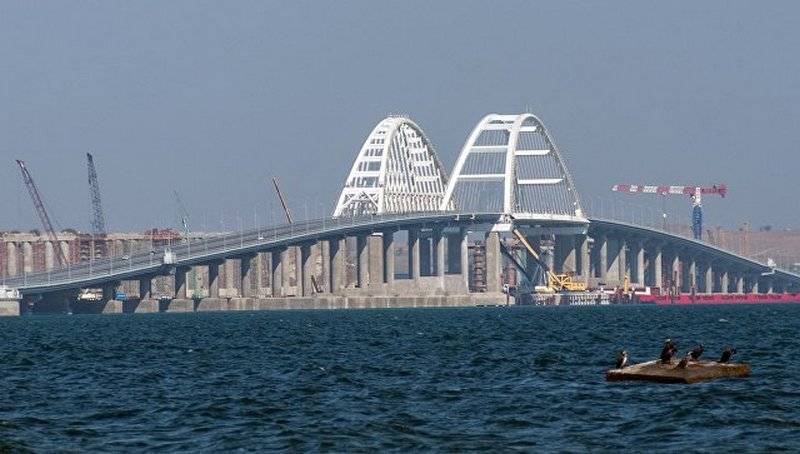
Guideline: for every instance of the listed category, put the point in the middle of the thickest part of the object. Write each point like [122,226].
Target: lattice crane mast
[98,219]
[695,193]
[38,204]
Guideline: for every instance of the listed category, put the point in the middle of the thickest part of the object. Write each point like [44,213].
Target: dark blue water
[428,379]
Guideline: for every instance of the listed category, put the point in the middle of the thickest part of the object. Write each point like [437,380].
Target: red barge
[720,298]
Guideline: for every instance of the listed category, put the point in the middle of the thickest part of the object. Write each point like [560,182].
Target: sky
[210,99]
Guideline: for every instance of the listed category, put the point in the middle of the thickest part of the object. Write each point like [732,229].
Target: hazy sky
[211,98]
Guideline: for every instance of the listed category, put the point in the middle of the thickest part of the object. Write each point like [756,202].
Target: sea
[408,380]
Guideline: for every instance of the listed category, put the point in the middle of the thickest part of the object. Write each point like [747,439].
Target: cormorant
[726,354]
[622,359]
[668,351]
[685,361]
[697,352]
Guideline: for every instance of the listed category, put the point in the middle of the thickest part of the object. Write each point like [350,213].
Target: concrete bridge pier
[424,253]
[388,257]
[362,261]
[377,263]
[308,259]
[413,254]
[582,255]
[338,255]
[653,268]
[724,283]
[276,279]
[494,263]
[637,262]
[439,249]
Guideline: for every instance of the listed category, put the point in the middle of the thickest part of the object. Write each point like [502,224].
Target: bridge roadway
[730,268]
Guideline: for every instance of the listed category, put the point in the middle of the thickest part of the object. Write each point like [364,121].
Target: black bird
[622,359]
[668,351]
[685,361]
[726,354]
[697,352]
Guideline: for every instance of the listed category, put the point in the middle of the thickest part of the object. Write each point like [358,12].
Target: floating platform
[667,373]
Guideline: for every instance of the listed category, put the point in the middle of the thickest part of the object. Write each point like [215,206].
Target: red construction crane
[694,192]
[42,212]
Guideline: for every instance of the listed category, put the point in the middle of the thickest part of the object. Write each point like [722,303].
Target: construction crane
[183,219]
[99,219]
[283,201]
[695,193]
[555,282]
[38,204]
[183,216]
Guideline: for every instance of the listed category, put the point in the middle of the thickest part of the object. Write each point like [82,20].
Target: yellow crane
[555,282]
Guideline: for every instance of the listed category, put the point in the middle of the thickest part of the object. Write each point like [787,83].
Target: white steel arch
[511,165]
[396,171]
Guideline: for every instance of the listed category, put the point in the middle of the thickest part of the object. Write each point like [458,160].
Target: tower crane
[99,219]
[38,204]
[695,193]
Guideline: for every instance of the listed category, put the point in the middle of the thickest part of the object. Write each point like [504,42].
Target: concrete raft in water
[697,371]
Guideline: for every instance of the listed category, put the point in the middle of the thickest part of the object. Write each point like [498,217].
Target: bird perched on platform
[697,352]
[622,359]
[726,354]
[668,351]
[685,361]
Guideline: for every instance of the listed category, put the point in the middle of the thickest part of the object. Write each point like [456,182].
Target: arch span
[396,171]
[511,165]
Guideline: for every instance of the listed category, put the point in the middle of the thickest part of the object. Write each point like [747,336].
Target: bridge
[404,233]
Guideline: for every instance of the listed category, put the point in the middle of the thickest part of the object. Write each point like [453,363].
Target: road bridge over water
[403,233]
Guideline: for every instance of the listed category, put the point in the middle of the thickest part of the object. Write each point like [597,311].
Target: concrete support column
[248,269]
[231,283]
[298,270]
[622,260]
[49,251]
[65,249]
[388,257]
[724,285]
[709,278]
[286,270]
[493,262]
[338,273]
[582,256]
[691,270]
[213,279]
[424,256]
[362,261]
[602,256]
[181,291]
[675,272]
[658,275]
[27,257]
[739,283]
[145,288]
[413,253]
[439,253]
[754,287]
[640,266]
[325,260]
[376,262]
[276,278]
[306,268]
[11,258]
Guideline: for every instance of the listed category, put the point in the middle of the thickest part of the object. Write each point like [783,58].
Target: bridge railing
[199,249]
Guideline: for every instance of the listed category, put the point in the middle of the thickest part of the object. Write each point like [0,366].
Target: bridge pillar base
[211,305]
[10,308]
[176,305]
